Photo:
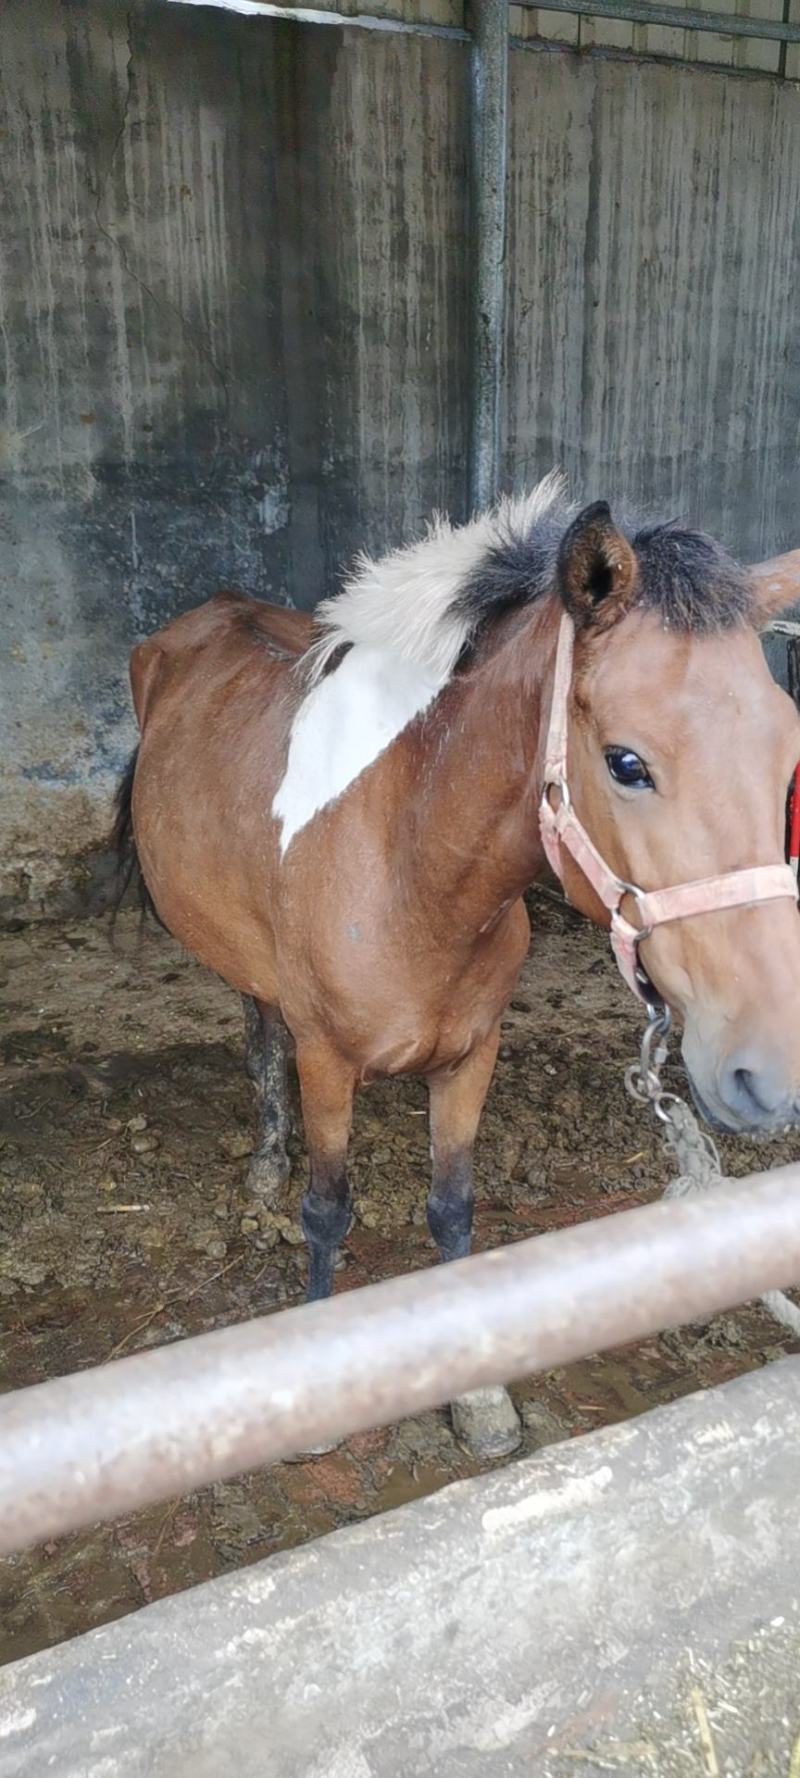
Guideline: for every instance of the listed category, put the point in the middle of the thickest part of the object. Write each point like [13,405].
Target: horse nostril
[745,1084]
[754,1094]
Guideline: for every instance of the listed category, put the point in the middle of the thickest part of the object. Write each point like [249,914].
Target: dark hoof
[487,1424]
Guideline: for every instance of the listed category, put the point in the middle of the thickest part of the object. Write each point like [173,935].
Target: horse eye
[628,769]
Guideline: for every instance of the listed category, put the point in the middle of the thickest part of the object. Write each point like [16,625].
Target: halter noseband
[561,827]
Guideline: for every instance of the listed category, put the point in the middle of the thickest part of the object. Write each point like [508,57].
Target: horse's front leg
[485,1421]
[327,1085]
[266,1056]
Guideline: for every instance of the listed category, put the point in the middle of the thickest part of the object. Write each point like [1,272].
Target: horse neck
[480,780]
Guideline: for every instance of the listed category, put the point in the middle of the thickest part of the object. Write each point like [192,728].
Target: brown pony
[339,816]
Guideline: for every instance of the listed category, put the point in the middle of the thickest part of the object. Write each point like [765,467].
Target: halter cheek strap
[560,827]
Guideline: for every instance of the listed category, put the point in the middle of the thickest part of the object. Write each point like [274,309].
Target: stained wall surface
[234,287]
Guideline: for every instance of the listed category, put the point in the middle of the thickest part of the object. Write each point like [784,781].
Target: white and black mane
[428,601]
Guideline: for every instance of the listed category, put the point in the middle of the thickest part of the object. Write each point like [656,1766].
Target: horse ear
[776,584]
[596,569]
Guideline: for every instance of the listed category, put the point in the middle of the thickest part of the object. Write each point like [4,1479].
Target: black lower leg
[450,1205]
[325,1217]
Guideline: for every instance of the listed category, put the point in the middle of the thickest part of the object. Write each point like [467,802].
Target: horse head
[680,754]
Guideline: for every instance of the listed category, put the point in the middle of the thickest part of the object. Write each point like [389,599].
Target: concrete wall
[233,297]
[232,340]
[654,328]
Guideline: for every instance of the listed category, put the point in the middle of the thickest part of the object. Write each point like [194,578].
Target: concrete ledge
[477,1632]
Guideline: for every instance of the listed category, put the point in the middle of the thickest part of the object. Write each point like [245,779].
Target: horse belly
[198,897]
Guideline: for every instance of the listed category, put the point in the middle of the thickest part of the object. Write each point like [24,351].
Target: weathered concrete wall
[654,331]
[233,297]
[232,321]
[509,1627]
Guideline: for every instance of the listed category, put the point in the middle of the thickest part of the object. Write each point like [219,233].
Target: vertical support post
[786,16]
[488,20]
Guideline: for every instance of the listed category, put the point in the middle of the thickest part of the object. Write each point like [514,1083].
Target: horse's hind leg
[486,1421]
[266,1055]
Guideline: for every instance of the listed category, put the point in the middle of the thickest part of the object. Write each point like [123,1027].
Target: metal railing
[640,12]
[146,1428]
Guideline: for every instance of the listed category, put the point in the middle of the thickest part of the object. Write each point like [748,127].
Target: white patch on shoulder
[342,726]
[405,628]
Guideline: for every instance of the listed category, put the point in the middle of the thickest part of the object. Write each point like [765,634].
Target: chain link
[643,1078]
[694,1150]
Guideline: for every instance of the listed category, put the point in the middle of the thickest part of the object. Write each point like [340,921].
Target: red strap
[794,821]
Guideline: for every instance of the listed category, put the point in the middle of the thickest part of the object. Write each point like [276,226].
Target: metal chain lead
[694,1150]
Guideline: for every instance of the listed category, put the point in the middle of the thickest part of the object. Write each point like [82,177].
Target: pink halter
[561,827]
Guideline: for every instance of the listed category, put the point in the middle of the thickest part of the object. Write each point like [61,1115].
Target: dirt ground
[738,1718]
[125,1124]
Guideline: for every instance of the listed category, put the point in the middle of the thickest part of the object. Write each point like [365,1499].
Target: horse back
[226,626]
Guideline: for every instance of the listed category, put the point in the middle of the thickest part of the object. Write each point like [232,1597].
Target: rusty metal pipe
[142,1429]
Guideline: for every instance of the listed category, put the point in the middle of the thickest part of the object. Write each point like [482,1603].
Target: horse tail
[123,840]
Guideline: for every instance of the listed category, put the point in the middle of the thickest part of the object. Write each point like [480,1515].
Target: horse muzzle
[746,1094]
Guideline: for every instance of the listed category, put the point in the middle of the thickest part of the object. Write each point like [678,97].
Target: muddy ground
[125,1124]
